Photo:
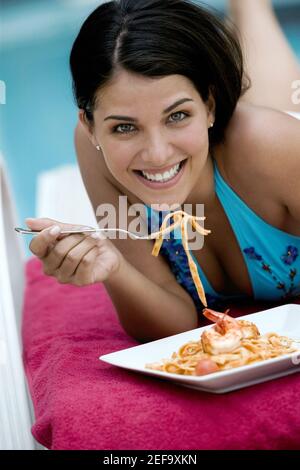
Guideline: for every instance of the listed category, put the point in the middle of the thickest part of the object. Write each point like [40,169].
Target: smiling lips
[164,180]
[165,175]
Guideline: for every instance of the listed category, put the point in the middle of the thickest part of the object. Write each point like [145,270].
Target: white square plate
[284,320]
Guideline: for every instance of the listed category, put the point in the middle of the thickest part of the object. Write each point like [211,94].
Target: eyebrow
[168,110]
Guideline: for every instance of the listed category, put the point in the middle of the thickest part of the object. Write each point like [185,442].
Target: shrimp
[250,331]
[227,333]
[225,336]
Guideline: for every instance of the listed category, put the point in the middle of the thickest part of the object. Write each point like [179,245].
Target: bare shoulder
[261,149]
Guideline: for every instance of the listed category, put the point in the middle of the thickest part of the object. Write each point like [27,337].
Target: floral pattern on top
[287,286]
[291,255]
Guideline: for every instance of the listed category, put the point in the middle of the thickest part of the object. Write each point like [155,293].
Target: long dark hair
[156,38]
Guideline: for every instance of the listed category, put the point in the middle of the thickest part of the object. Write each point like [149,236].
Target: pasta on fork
[182,219]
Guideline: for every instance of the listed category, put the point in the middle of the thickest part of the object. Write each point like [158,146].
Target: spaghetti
[192,355]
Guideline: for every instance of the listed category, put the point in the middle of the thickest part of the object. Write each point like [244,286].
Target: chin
[165,203]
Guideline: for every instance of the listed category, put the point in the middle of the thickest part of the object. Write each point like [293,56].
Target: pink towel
[83,403]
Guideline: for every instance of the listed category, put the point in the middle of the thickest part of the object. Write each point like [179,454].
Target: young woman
[163,95]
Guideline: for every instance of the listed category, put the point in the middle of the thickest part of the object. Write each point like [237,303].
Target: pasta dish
[229,343]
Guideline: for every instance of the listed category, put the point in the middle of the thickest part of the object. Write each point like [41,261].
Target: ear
[211,108]
[87,127]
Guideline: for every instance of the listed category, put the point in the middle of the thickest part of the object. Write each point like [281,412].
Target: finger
[41,243]
[72,256]
[57,252]
[43,222]
[84,274]
[40,223]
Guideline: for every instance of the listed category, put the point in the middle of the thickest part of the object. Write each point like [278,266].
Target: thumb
[41,223]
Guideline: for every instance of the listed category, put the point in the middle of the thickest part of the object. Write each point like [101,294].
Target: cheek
[117,158]
[195,140]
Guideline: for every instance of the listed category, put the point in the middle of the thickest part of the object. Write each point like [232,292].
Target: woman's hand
[79,259]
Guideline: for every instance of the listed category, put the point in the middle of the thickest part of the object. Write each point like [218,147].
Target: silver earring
[211,125]
[98,148]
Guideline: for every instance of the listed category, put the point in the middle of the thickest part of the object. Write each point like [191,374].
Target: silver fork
[165,231]
[25,231]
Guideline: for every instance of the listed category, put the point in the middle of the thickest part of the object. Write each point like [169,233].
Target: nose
[157,151]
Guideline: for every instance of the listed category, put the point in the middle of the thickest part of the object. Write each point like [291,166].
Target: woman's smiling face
[154,135]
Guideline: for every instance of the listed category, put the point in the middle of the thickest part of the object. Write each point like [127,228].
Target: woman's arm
[146,310]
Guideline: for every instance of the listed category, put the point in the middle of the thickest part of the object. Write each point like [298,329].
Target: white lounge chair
[15,404]
[61,195]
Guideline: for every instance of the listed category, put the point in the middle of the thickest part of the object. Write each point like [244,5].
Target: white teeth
[162,177]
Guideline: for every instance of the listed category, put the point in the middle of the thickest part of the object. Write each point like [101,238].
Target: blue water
[37,122]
